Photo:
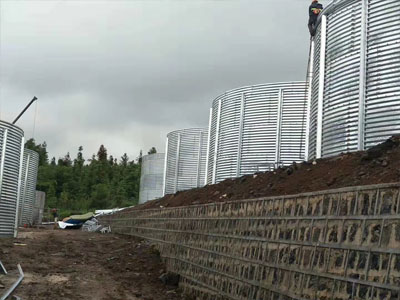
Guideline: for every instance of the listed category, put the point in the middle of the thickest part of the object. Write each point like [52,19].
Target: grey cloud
[125,73]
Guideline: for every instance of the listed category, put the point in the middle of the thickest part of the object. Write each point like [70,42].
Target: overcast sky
[125,73]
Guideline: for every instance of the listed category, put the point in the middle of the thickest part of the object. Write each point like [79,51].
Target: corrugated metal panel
[152,177]
[211,145]
[342,68]
[11,140]
[314,96]
[259,129]
[383,71]
[361,99]
[253,128]
[228,135]
[185,159]
[293,123]
[28,187]
[38,207]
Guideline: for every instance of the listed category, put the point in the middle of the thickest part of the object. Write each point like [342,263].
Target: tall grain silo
[256,128]
[30,167]
[355,86]
[11,148]
[185,159]
[152,177]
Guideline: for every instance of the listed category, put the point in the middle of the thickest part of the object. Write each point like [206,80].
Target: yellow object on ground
[82,217]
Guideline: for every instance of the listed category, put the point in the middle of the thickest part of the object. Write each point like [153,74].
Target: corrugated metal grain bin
[355,94]
[152,177]
[28,187]
[11,147]
[38,207]
[185,161]
[256,128]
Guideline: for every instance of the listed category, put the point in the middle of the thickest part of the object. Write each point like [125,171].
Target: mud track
[72,264]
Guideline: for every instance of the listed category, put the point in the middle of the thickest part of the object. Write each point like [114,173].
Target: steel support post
[321,87]
[240,139]
[23,197]
[3,269]
[216,142]
[310,77]
[199,159]
[21,163]
[363,76]
[278,127]
[14,286]
[208,146]
[165,167]
[3,157]
[178,149]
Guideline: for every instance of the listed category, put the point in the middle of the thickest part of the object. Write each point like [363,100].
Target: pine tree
[79,161]
[40,149]
[152,150]
[102,153]
[111,160]
[124,160]
[139,159]
[102,183]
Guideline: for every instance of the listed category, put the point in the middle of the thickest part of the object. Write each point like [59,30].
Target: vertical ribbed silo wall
[382,95]
[185,165]
[11,146]
[152,177]
[313,114]
[255,128]
[355,90]
[38,207]
[28,186]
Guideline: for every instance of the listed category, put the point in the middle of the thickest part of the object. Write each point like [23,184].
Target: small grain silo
[355,84]
[11,148]
[152,177]
[256,128]
[30,167]
[185,159]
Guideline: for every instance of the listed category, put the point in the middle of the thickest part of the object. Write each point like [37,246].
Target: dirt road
[77,265]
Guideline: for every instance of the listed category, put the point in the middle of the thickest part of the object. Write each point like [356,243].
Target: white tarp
[100,212]
[64,225]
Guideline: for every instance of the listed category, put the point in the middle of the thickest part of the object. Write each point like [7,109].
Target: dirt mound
[380,164]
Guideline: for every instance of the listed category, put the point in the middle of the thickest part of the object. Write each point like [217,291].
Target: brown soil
[71,264]
[380,164]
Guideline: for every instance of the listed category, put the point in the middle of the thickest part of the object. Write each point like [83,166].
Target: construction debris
[87,221]
[3,269]
[93,225]
[75,221]
[11,289]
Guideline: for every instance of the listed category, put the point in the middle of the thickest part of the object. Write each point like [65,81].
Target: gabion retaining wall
[338,244]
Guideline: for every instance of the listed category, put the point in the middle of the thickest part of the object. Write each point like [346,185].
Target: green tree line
[78,185]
